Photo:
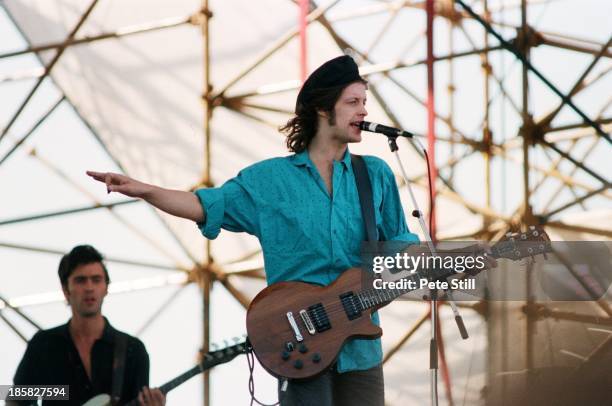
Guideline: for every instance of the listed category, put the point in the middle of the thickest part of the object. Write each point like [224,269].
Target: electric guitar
[297,329]
[209,360]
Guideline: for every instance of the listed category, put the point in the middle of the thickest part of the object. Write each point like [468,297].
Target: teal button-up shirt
[306,234]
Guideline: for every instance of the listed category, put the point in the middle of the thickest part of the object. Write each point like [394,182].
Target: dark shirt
[52,359]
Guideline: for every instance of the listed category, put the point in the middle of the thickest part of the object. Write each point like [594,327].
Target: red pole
[431,131]
[431,138]
[303,25]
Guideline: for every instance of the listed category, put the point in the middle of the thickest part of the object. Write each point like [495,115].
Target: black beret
[336,72]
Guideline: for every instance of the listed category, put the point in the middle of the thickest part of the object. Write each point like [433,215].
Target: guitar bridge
[307,322]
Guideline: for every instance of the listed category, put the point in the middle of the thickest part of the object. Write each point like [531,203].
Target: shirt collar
[302,159]
[346,160]
[108,334]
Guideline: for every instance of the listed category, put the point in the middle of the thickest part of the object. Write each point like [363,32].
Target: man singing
[305,211]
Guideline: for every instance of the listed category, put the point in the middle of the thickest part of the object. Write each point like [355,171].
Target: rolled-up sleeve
[230,207]
[213,203]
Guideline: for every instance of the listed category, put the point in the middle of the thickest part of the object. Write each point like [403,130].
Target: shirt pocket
[285,228]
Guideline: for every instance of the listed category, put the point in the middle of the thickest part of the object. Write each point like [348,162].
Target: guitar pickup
[350,305]
[307,322]
[319,317]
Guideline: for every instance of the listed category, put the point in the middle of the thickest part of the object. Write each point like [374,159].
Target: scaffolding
[552,149]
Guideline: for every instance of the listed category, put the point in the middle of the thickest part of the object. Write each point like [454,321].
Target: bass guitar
[297,329]
[209,360]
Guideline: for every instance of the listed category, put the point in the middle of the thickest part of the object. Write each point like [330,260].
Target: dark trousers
[355,388]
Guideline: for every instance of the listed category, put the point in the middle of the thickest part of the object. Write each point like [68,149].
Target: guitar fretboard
[168,386]
[369,298]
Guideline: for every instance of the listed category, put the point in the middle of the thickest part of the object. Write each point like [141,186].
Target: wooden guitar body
[330,311]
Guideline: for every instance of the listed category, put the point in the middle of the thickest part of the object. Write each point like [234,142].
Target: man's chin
[354,138]
[89,313]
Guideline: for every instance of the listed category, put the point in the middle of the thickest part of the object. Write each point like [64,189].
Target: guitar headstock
[516,246]
[222,355]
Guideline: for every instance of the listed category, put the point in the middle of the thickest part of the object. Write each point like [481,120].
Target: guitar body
[270,330]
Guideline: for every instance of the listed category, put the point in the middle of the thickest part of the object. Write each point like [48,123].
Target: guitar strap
[364,189]
[119,356]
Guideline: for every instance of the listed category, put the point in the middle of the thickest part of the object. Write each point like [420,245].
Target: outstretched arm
[175,202]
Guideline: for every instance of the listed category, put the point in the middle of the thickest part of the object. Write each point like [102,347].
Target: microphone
[383,129]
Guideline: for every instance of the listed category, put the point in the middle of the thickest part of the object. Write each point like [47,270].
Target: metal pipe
[38,123]
[205,276]
[123,32]
[531,68]
[48,69]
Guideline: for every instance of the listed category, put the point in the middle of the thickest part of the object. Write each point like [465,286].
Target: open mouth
[356,124]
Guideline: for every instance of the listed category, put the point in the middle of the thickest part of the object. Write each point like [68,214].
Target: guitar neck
[370,298]
[168,386]
[210,360]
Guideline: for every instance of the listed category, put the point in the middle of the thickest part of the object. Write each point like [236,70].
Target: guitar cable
[251,362]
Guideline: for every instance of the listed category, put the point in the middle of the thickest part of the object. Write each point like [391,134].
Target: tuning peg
[236,340]
[214,346]
[226,343]
[532,228]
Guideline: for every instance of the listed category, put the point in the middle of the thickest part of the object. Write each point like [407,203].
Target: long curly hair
[301,129]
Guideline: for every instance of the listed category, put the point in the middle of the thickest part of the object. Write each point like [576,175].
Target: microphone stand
[433,343]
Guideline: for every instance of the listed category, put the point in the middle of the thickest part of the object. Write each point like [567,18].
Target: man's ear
[66,293]
[323,114]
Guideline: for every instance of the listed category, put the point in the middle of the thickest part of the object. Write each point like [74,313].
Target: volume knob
[298,364]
